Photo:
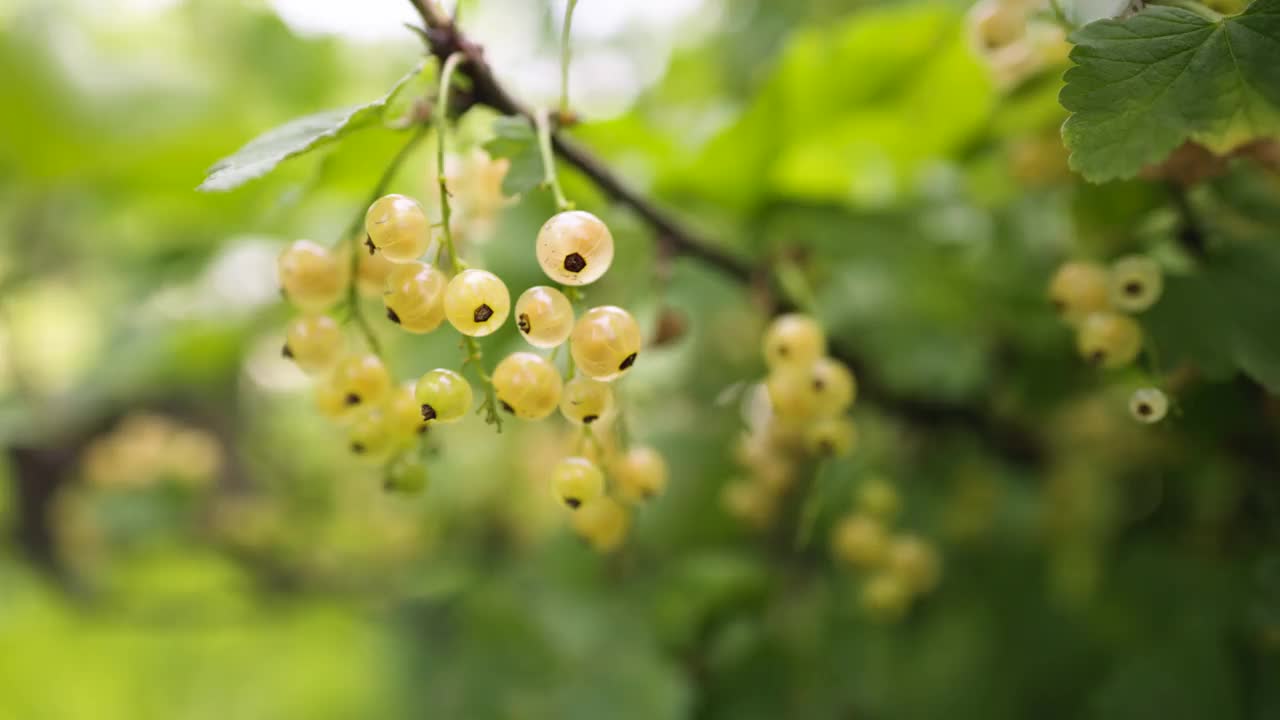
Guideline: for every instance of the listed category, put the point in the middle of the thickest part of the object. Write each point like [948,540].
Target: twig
[443,38]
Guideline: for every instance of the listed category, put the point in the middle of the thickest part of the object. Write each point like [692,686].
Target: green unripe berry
[408,476]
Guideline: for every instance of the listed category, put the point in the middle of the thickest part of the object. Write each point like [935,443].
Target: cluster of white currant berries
[801,414]
[1099,303]
[574,248]
[899,567]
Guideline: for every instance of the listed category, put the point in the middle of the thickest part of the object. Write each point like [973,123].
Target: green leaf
[1144,85]
[1222,318]
[403,104]
[297,137]
[515,139]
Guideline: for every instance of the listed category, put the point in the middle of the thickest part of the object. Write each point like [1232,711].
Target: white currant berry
[640,474]
[313,278]
[576,480]
[362,380]
[403,415]
[1109,340]
[1079,289]
[585,401]
[1136,283]
[574,248]
[398,228]
[476,302]
[443,396]
[370,435]
[833,385]
[414,297]
[1148,405]
[371,272]
[859,541]
[314,342]
[527,385]
[544,316]
[408,475]
[605,342]
[602,522]
[831,437]
[793,339]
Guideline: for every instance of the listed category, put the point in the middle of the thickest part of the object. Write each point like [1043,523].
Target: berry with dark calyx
[407,475]
[443,396]
[362,380]
[527,385]
[605,342]
[583,400]
[398,228]
[544,316]
[476,302]
[1148,405]
[414,297]
[371,435]
[403,414]
[793,339]
[314,342]
[1109,340]
[831,437]
[1136,283]
[574,248]
[576,480]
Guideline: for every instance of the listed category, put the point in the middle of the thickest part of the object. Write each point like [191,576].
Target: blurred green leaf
[515,139]
[1146,84]
[300,136]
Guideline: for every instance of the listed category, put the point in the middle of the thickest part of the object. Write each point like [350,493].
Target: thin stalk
[565,57]
[549,176]
[474,356]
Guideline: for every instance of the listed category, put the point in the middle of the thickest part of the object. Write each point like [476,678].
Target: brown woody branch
[443,38]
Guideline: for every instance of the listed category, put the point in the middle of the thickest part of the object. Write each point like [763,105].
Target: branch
[444,38]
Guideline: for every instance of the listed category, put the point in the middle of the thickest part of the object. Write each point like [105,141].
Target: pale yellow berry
[831,437]
[398,228]
[1109,340]
[414,297]
[527,385]
[584,401]
[362,380]
[314,342]
[371,272]
[794,339]
[476,302]
[833,386]
[640,474]
[443,396]
[312,277]
[544,316]
[859,541]
[1136,283]
[576,480]
[1079,289]
[1148,405]
[605,342]
[602,522]
[574,248]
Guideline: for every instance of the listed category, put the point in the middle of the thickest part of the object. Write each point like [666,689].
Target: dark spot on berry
[428,412]
[368,242]
[392,316]
[647,493]
[819,384]
[572,502]
[627,362]
[352,399]
[507,407]
[482,313]
[574,263]
[782,350]
[1133,287]
[286,351]
[422,429]
[357,448]
[590,419]
[1097,356]
[522,322]
[825,447]
[1144,409]
[1059,306]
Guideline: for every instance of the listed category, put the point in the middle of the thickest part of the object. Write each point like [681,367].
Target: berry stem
[353,235]
[565,57]
[549,177]
[474,355]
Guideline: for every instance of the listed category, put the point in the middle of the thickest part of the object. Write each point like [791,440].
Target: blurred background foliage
[188,540]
